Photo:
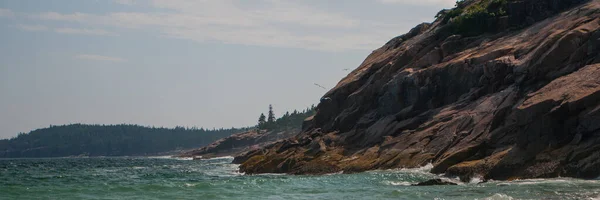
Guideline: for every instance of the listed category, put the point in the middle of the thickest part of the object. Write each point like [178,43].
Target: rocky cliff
[240,142]
[518,98]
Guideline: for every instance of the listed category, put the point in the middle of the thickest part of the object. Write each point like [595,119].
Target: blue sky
[203,63]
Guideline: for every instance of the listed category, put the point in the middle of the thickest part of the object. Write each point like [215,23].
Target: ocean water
[166,178]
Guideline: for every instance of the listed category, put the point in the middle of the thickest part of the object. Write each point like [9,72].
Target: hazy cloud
[35,27]
[75,17]
[99,58]
[84,31]
[74,31]
[125,2]
[275,23]
[6,12]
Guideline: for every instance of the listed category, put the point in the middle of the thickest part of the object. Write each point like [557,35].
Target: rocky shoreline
[519,102]
[239,143]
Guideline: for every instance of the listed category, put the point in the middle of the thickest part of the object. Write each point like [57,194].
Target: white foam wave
[335,173]
[190,185]
[171,157]
[269,174]
[221,158]
[498,196]
[423,169]
[476,179]
[534,181]
[595,198]
[397,183]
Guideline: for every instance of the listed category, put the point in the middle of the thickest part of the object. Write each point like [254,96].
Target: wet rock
[518,103]
[239,143]
[434,182]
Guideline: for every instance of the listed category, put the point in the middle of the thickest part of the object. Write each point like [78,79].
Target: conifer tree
[271,118]
[262,121]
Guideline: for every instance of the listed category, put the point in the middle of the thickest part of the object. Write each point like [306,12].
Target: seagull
[320,86]
[346,69]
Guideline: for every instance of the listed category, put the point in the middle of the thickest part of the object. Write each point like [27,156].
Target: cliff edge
[239,143]
[502,89]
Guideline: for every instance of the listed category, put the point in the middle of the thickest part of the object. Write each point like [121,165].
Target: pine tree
[261,121]
[271,118]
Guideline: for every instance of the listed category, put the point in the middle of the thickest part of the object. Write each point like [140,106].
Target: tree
[261,121]
[108,140]
[271,115]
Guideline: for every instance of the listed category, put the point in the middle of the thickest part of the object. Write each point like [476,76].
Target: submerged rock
[522,102]
[434,182]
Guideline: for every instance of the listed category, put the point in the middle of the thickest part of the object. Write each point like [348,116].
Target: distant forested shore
[108,140]
[131,140]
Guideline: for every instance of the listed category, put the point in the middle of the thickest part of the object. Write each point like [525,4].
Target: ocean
[169,178]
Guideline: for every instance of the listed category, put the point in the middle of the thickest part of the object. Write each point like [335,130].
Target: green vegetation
[288,120]
[129,140]
[108,140]
[476,18]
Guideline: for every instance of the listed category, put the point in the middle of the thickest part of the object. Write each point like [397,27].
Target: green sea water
[165,178]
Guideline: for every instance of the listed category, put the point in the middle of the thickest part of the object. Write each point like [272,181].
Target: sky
[191,63]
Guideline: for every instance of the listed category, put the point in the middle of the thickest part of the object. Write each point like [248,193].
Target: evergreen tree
[286,121]
[262,121]
[271,115]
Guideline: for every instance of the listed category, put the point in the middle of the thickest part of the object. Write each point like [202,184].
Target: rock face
[521,103]
[240,142]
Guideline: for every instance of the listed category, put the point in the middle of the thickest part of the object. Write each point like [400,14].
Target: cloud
[446,3]
[75,17]
[125,2]
[84,31]
[273,23]
[73,31]
[36,27]
[6,12]
[99,58]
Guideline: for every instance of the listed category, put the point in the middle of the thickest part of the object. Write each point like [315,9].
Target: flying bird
[320,86]
[346,69]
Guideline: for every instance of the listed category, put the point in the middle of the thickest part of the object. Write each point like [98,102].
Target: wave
[220,158]
[190,184]
[170,157]
[532,181]
[270,174]
[397,183]
[476,179]
[426,169]
[499,196]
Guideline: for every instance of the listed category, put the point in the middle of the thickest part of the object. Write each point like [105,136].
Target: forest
[130,140]
[108,140]
[287,121]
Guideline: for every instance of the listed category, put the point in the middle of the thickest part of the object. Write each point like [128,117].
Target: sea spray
[158,178]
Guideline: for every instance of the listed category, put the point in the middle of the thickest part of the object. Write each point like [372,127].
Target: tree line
[108,140]
[288,120]
[131,140]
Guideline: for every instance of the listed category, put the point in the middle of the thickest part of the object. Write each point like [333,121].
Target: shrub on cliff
[475,18]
